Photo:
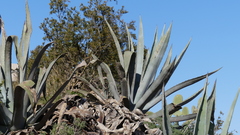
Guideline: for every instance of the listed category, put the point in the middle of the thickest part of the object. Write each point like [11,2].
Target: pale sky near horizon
[213,26]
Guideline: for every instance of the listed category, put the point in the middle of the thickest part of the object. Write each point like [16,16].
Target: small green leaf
[177,99]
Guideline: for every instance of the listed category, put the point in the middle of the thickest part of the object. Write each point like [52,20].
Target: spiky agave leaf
[155,59]
[37,62]
[45,76]
[7,73]
[211,110]
[22,48]
[230,114]
[19,119]
[200,126]
[143,86]
[175,107]
[176,88]
[166,119]
[120,56]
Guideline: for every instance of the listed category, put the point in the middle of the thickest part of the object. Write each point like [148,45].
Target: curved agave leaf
[19,119]
[190,98]
[8,75]
[154,62]
[173,108]
[45,76]
[111,81]
[92,87]
[155,89]
[37,61]
[120,56]
[130,76]
[152,90]
[5,116]
[22,49]
[101,76]
[176,88]
[43,121]
[32,119]
[41,75]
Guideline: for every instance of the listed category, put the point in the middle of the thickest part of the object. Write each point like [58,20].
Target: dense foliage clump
[80,32]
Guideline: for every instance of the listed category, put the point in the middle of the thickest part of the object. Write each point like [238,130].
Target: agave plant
[18,105]
[140,86]
[204,122]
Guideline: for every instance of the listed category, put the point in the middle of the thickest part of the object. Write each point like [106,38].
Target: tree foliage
[78,32]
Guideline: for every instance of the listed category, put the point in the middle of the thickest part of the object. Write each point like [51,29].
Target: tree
[79,31]
[100,38]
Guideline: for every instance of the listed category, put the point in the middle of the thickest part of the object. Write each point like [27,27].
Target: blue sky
[214,27]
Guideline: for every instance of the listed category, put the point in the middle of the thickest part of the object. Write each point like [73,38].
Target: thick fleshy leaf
[183,118]
[188,82]
[139,58]
[211,109]
[155,60]
[19,119]
[5,115]
[41,75]
[45,76]
[127,59]
[182,54]
[130,76]
[130,43]
[120,56]
[32,96]
[227,122]
[124,87]
[23,48]
[176,88]
[165,119]
[8,73]
[37,61]
[33,119]
[92,87]
[101,76]
[111,81]
[168,59]
[155,87]
[47,115]
[2,43]
[201,119]
[146,63]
